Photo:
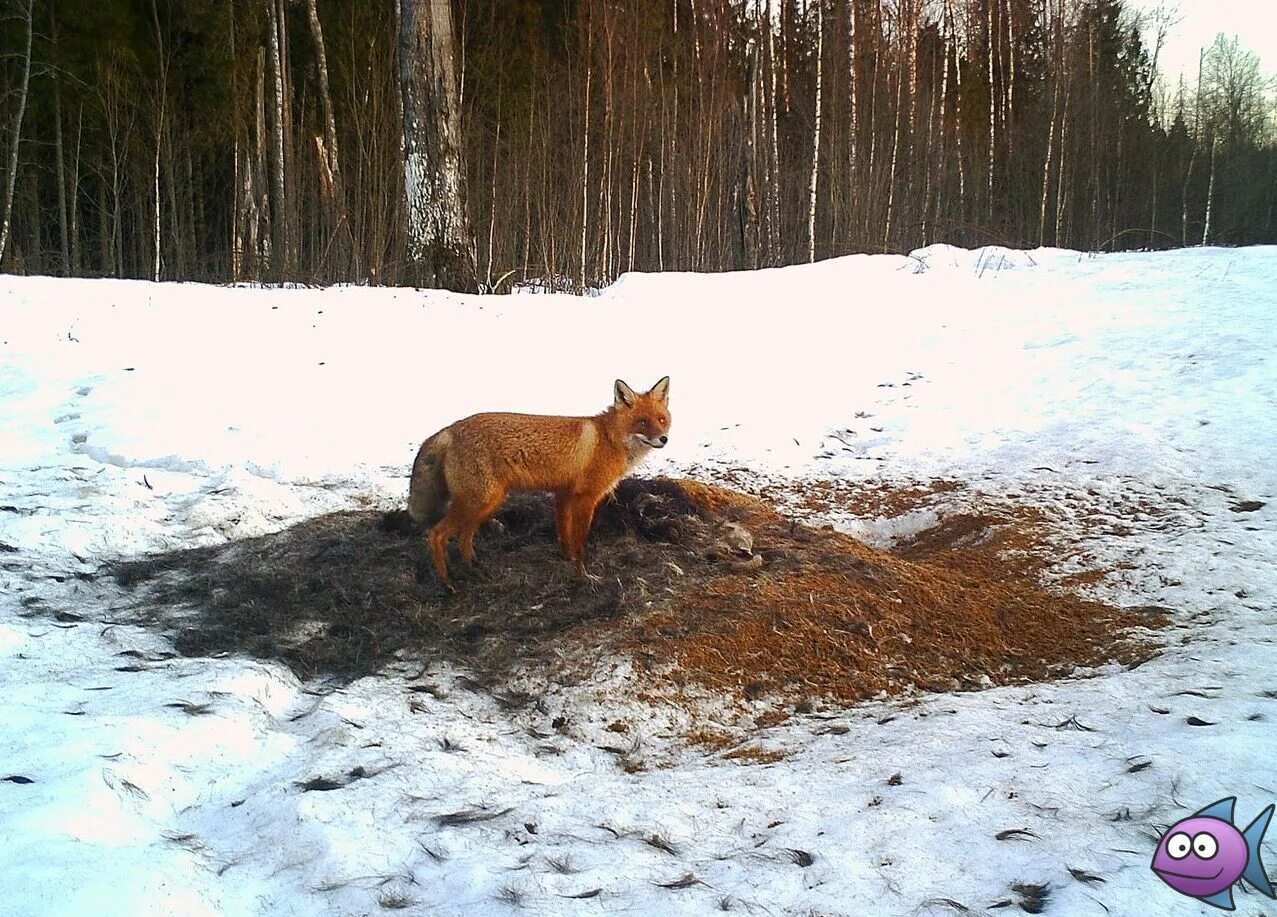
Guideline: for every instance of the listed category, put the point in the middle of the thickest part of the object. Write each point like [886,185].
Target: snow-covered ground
[1138,389]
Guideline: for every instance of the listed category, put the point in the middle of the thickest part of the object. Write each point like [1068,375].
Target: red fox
[462,474]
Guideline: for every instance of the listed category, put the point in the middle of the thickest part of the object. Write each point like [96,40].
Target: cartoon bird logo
[1203,855]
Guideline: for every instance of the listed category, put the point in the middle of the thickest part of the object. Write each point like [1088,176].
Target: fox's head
[645,418]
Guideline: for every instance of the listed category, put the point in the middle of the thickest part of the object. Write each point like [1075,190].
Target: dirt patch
[699,585]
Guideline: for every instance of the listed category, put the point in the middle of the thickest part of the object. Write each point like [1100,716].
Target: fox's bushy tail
[428,490]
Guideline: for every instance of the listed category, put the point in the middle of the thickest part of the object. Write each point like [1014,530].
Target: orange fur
[462,474]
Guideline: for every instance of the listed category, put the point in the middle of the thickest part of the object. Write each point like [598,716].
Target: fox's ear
[661,390]
[624,394]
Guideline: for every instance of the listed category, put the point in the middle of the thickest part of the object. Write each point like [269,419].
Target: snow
[138,417]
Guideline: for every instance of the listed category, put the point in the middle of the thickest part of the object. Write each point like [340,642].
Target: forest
[483,144]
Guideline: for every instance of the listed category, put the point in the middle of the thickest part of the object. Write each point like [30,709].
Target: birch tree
[815,136]
[279,208]
[15,136]
[440,244]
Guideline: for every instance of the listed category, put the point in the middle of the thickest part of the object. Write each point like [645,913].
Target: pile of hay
[699,584]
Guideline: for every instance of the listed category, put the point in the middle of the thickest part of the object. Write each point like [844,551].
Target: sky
[1197,22]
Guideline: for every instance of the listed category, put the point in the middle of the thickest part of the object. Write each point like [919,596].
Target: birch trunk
[279,228]
[775,237]
[156,259]
[15,138]
[1210,190]
[76,260]
[853,144]
[260,199]
[585,176]
[440,244]
[59,152]
[815,143]
[1188,177]
[895,152]
[748,192]
[61,178]
[993,110]
[332,162]
[1046,166]
[957,106]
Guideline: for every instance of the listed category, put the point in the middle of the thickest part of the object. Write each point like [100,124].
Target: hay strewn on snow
[699,584]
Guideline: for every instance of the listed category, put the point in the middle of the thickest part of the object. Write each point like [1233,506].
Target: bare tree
[1210,190]
[279,207]
[815,137]
[161,104]
[15,136]
[440,244]
[1235,93]
[330,160]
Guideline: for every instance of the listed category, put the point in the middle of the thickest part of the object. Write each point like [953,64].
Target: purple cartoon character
[1203,855]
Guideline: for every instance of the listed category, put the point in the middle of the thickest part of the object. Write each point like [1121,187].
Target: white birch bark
[1046,166]
[585,176]
[852,79]
[1210,191]
[332,160]
[440,244]
[278,184]
[993,108]
[776,240]
[156,257]
[815,143]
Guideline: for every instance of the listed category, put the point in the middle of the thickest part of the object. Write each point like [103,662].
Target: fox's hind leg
[475,516]
[443,532]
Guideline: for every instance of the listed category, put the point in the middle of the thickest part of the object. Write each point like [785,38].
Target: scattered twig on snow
[509,894]
[592,893]
[1083,876]
[190,708]
[800,857]
[660,843]
[1032,896]
[469,816]
[947,902]
[1015,834]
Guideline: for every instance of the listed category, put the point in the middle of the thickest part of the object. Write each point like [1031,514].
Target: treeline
[263,139]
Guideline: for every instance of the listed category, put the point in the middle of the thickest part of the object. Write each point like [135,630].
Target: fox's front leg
[580,517]
[563,522]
